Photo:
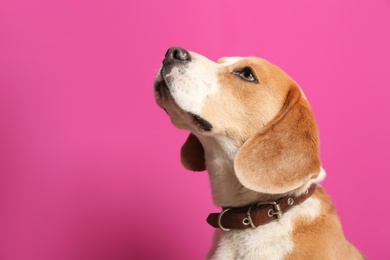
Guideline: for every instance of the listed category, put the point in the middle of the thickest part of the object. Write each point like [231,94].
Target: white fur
[190,86]
[188,89]
[230,60]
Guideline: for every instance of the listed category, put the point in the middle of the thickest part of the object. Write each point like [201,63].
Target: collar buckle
[275,211]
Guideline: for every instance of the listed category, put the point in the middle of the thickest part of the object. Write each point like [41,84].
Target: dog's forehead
[229,60]
[250,61]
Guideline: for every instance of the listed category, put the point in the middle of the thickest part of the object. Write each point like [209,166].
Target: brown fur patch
[192,154]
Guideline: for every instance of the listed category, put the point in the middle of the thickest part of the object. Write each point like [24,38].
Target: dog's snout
[178,54]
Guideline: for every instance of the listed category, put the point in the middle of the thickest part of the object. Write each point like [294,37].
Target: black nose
[177,53]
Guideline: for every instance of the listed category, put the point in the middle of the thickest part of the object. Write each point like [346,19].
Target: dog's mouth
[203,123]
[162,90]
[159,83]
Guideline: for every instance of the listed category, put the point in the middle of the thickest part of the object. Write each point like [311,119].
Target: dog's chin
[163,96]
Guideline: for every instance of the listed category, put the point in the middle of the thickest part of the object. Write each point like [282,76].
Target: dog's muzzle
[176,57]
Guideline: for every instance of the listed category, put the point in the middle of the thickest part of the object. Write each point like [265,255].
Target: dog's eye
[246,74]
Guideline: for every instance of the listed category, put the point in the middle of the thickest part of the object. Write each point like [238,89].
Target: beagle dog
[253,129]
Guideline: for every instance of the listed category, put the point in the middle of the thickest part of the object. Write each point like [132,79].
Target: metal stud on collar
[246,221]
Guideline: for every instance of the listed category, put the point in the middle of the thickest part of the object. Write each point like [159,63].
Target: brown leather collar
[255,215]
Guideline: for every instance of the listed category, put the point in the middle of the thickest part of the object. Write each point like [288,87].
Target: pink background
[89,165]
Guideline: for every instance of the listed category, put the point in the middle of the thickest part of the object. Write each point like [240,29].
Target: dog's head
[250,102]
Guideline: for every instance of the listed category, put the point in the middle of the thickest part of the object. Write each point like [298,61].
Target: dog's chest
[272,241]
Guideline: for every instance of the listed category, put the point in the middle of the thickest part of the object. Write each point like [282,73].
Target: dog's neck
[226,188]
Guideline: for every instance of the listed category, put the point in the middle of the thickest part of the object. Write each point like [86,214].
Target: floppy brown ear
[284,155]
[192,154]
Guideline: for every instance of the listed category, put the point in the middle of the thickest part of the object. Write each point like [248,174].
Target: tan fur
[246,107]
[267,164]
[322,238]
[263,145]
